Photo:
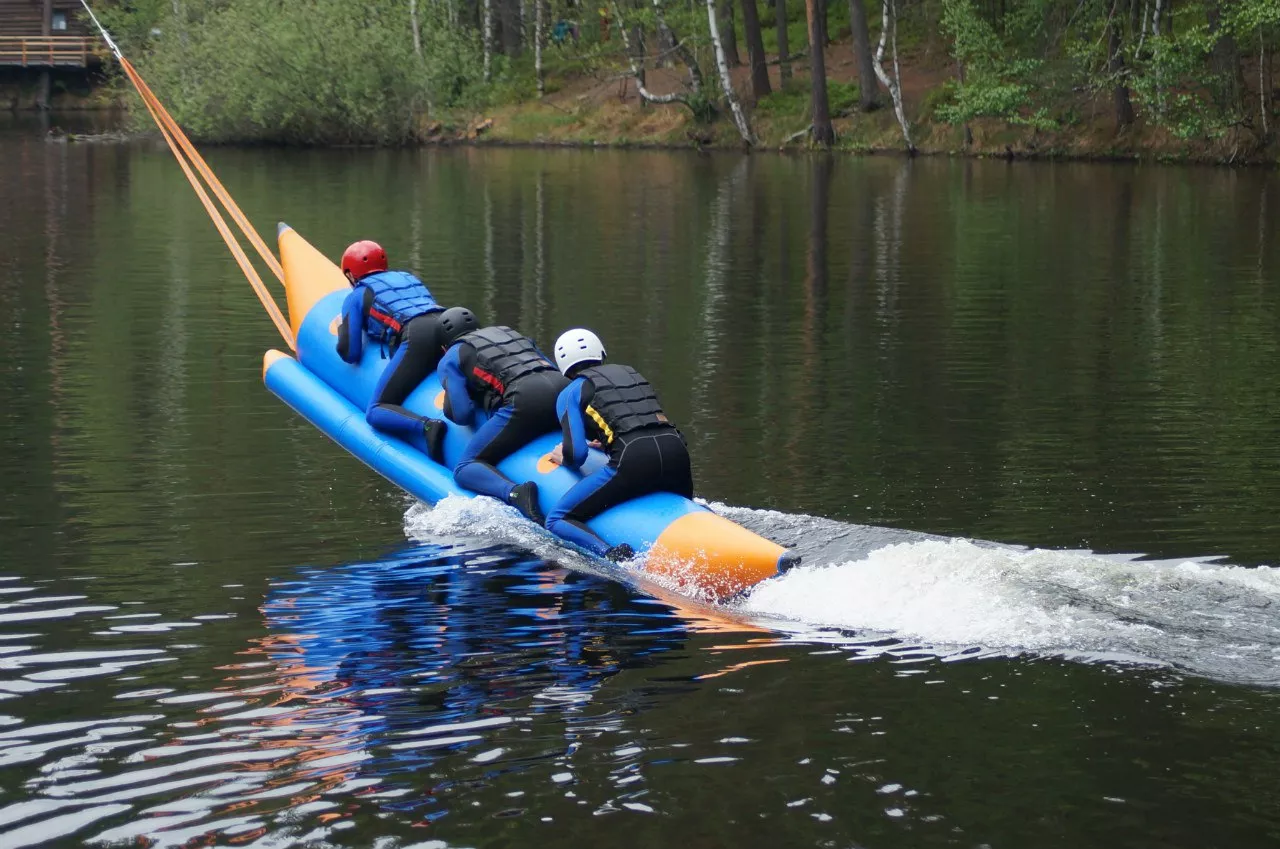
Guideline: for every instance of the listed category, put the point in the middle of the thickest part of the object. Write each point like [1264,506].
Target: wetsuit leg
[495,439]
[417,357]
[589,497]
[648,462]
[529,412]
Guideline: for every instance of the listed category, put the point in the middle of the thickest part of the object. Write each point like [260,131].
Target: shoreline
[501,129]
[1199,160]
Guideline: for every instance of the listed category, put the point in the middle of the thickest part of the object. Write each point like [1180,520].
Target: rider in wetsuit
[504,374]
[398,313]
[615,406]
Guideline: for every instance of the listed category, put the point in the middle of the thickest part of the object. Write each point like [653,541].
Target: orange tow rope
[179,144]
[259,288]
[204,169]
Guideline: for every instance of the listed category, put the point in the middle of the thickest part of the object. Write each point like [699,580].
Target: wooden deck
[46,34]
[62,51]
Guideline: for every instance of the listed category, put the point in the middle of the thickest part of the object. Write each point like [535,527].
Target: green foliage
[322,72]
[1167,65]
[704,109]
[841,97]
[995,85]
[338,71]
[793,101]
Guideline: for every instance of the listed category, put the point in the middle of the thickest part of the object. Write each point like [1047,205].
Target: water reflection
[401,688]
[1058,355]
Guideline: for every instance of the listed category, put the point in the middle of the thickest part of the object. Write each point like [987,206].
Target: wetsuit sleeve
[570,403]
[351,330]
[457,401]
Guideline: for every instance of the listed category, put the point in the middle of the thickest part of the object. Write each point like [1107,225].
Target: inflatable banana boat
[683,544]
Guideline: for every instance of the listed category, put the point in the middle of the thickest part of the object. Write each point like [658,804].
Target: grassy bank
[605,110]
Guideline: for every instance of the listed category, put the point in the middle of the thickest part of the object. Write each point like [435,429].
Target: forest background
[1168,79]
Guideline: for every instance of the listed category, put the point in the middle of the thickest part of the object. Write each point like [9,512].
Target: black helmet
[456,321]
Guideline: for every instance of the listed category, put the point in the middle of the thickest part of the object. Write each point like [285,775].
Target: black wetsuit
[616,405]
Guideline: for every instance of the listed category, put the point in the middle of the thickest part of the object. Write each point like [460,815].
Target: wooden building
[45,33]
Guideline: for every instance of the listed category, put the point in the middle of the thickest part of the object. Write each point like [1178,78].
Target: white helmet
[578,346]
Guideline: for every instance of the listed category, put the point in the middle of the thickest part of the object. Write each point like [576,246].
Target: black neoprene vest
[503,356]
[623,401]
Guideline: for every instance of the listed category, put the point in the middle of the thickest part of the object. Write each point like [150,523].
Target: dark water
[217,628]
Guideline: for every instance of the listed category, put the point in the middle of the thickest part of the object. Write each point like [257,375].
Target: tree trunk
[889,25]
[868,90]
[1115,64]
[487,15]
[1262,82]
[635,44]
[728,35]
[823,133]
[538,35]
[1150,24]
[637,68]
[726,81]
[413,25]
[509,26]
[784,61]
[666,38]
[45,93]
[755,50]
[1225,60]
[690,62]
[968,131]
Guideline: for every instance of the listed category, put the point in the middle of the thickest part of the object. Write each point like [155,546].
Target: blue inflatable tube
[692,547]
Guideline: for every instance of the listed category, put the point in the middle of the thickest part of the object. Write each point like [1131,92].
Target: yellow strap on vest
[599,420]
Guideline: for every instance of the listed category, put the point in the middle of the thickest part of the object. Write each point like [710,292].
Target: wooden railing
[66,50]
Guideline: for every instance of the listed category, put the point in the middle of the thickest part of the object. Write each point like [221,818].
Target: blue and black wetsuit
[616,405]
[503,373]
[396,311]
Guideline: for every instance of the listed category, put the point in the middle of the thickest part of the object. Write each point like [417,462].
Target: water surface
[1017,418]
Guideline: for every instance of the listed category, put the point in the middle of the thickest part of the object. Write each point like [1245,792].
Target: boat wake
[951,595]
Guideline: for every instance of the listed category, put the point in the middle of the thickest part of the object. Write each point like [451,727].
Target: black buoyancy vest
[503,356]
[623,401]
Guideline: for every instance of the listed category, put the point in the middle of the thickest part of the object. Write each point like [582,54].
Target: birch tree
[726,81]
[537,46]
[414,26]
[487,13]
[889,24]
[637,68]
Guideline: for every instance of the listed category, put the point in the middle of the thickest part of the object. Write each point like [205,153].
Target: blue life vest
[398,297]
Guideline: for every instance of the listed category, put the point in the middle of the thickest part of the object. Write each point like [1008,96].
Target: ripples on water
[403,690]
[1063,356]
[453,688]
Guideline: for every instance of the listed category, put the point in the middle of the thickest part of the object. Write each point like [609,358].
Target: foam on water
[1217,620]
[468,519]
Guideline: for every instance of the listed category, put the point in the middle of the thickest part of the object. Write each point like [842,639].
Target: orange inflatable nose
[706,551]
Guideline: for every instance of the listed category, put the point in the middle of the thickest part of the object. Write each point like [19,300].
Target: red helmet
[363,258]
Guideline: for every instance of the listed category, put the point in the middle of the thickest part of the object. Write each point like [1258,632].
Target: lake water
[1018,418]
